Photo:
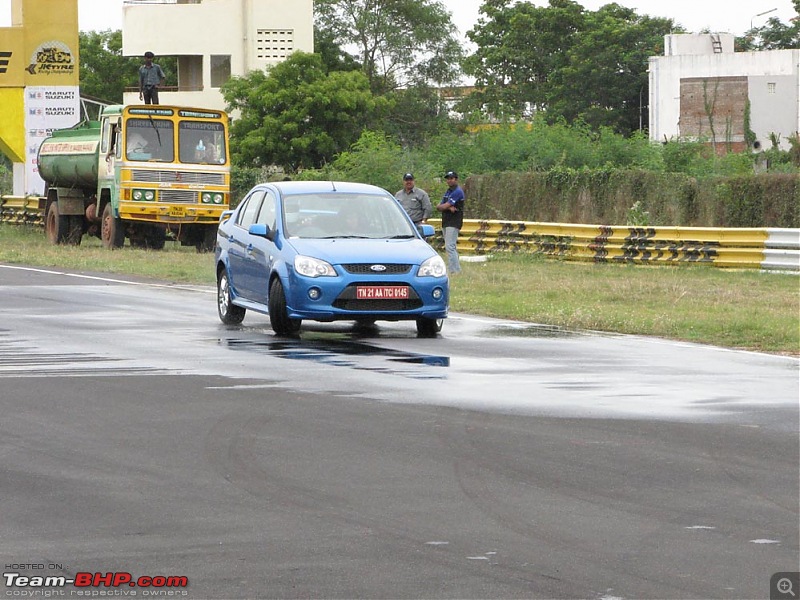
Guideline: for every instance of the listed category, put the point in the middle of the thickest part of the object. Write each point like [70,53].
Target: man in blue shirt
[452,209]
[150,77]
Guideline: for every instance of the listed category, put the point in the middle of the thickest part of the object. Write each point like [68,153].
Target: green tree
[773,35]
[297,115]
[104,72]
[333,57]
[565,61]
[604,81]
[398,42]
[519,46]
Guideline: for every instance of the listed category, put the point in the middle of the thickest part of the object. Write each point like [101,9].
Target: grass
[734,309]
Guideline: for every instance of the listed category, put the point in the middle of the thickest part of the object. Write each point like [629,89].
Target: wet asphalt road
[140,435]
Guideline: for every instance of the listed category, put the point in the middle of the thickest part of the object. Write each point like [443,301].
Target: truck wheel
[278,316]
[229,313]
[113,230]
[56,225]
[208,239]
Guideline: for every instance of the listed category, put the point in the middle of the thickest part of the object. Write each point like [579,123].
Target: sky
[734,16]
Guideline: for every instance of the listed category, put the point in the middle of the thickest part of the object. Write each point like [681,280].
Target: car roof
[288,188]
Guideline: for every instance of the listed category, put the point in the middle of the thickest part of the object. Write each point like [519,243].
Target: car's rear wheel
[278,315]
[429,327]
[229,313]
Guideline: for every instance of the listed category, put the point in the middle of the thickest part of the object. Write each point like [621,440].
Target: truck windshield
[149,139]
[201,142]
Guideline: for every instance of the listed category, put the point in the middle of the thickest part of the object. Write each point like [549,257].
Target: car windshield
[149,139]
[342,215]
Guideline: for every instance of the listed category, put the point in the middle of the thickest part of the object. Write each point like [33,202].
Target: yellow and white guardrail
[21,210]
[757,248]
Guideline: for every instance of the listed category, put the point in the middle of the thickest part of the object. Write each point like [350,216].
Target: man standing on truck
[151,76]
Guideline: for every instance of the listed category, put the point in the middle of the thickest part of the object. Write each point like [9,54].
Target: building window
[220,69]
[771,87]
[274,44]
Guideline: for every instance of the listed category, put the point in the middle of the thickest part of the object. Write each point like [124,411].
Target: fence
[20,210]
[751,248]
[758,248]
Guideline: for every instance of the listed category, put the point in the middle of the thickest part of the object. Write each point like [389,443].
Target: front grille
[178,196]
[147,176]
[347,300]
[378,305]
[365,269]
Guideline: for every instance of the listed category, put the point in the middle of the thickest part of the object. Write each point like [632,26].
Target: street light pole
[766,12]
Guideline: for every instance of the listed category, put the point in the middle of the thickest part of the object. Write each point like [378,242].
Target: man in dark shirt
[452,209]
[150,77]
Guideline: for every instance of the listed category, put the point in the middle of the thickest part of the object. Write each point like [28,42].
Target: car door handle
[249,248]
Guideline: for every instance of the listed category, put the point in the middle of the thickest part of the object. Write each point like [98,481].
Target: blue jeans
[450,241]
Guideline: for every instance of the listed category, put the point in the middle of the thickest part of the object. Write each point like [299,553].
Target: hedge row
[618,197]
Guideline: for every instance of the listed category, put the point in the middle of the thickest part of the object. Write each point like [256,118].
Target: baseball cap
[149,54]
[408,176]
[450,174]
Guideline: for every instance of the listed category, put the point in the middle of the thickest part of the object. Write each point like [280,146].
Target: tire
[229,313]
[429,327]
[278,316]
[56,225]
[112,229]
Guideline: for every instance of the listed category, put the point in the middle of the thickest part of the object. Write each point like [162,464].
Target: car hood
[339,251]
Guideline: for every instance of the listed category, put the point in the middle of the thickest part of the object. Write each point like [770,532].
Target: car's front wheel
[229,313]
[429,327]
[278,315]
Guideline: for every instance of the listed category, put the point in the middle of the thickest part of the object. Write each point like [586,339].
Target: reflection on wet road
[337,350]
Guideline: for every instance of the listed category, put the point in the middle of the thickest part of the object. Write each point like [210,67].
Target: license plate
[382,292]
[177,211]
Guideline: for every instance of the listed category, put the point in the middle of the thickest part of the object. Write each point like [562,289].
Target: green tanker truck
[139,173]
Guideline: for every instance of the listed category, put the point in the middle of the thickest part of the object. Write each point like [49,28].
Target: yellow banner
[41,47]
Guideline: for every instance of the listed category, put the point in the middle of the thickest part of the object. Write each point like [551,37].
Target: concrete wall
[219,27]
[772,82]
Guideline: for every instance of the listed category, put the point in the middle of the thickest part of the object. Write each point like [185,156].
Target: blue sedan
[327,251]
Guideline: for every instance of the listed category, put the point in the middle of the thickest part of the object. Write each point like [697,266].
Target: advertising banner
[46,108]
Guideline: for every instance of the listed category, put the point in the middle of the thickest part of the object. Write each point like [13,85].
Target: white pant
[450,241]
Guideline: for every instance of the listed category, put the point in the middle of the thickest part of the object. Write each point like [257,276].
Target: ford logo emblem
[378,268]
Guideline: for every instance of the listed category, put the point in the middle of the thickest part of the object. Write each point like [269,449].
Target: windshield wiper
[404,236]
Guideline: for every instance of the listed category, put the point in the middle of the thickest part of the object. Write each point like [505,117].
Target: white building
[702,89]
[214,40]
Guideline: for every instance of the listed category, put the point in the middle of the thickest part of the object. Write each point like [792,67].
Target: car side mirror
[261,230]
[427,230]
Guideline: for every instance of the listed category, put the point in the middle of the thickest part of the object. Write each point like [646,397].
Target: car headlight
[433,267]
[218,198]
[206,198]
[137,194]
[149,195]
[313,267]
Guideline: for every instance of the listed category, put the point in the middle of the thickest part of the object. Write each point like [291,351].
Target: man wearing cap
[452,209]
[150,77]
[415,200]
